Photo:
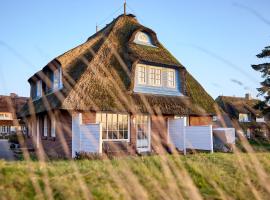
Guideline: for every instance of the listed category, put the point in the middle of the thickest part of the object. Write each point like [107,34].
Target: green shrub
[88,156]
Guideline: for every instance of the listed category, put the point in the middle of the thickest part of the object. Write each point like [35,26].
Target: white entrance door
[143,133]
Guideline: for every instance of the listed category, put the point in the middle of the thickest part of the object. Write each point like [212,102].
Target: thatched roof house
[9,109]
[101,75]
[245,115]
[107,59]
[239,105]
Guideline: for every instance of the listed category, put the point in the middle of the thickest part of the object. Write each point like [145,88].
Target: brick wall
[200,121]
[88,117]
[61,144]
[159,133]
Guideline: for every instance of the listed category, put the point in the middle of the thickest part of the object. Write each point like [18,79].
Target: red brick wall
[61,145]
[200,121]
[133,136]
[88,117]
[159,133]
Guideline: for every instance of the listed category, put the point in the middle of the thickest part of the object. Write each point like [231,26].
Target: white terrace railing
[190,137]
[85,138]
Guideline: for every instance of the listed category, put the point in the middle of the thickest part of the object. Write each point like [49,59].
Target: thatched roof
[99,75]
[12,104]
[235,105]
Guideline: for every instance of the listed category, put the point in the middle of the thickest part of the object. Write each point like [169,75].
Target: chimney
[125,7]
[13,95]
[248,96]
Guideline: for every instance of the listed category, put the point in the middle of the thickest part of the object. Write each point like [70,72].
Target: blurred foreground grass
[206,176]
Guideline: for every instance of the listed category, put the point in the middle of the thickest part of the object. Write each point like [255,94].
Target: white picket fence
[86,138]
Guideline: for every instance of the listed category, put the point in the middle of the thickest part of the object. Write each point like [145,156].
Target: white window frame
[53,127]
[56,79]
[38,89]
[142,74]
[107,129]
[243,117]
[60,83]
[143,39]
[5,116]
[148,127]
[45,126]
[171,80]
[152,78]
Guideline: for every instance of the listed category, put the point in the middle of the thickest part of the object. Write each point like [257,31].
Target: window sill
[44,138]
[51,138]
[115,140]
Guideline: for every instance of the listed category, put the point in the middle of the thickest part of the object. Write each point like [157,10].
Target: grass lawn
[207,176]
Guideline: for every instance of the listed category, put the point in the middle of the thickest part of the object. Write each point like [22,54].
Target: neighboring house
[123,78]
[9,108]
[244,115]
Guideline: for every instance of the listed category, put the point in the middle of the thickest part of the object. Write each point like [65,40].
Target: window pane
[115,134]
[126,134]
[110,135]
[104,134]
[171,78]
[109,121]
[114,126]
[120,122]
[157,76]
[56,79]
[121,134]
[98,117]
[141,74]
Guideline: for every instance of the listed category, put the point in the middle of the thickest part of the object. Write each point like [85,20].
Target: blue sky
[216,40]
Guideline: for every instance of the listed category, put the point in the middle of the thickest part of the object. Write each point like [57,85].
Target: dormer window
[57,79]
[38,89]
[143,38]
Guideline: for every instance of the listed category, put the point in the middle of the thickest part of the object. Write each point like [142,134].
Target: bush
[88,156]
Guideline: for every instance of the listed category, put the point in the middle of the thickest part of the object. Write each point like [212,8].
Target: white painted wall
[85,138]
[199,137]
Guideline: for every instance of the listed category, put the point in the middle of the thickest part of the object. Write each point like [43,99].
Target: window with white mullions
[114,126]
[141,74]
[143,132]
[171,78]
[155,77]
